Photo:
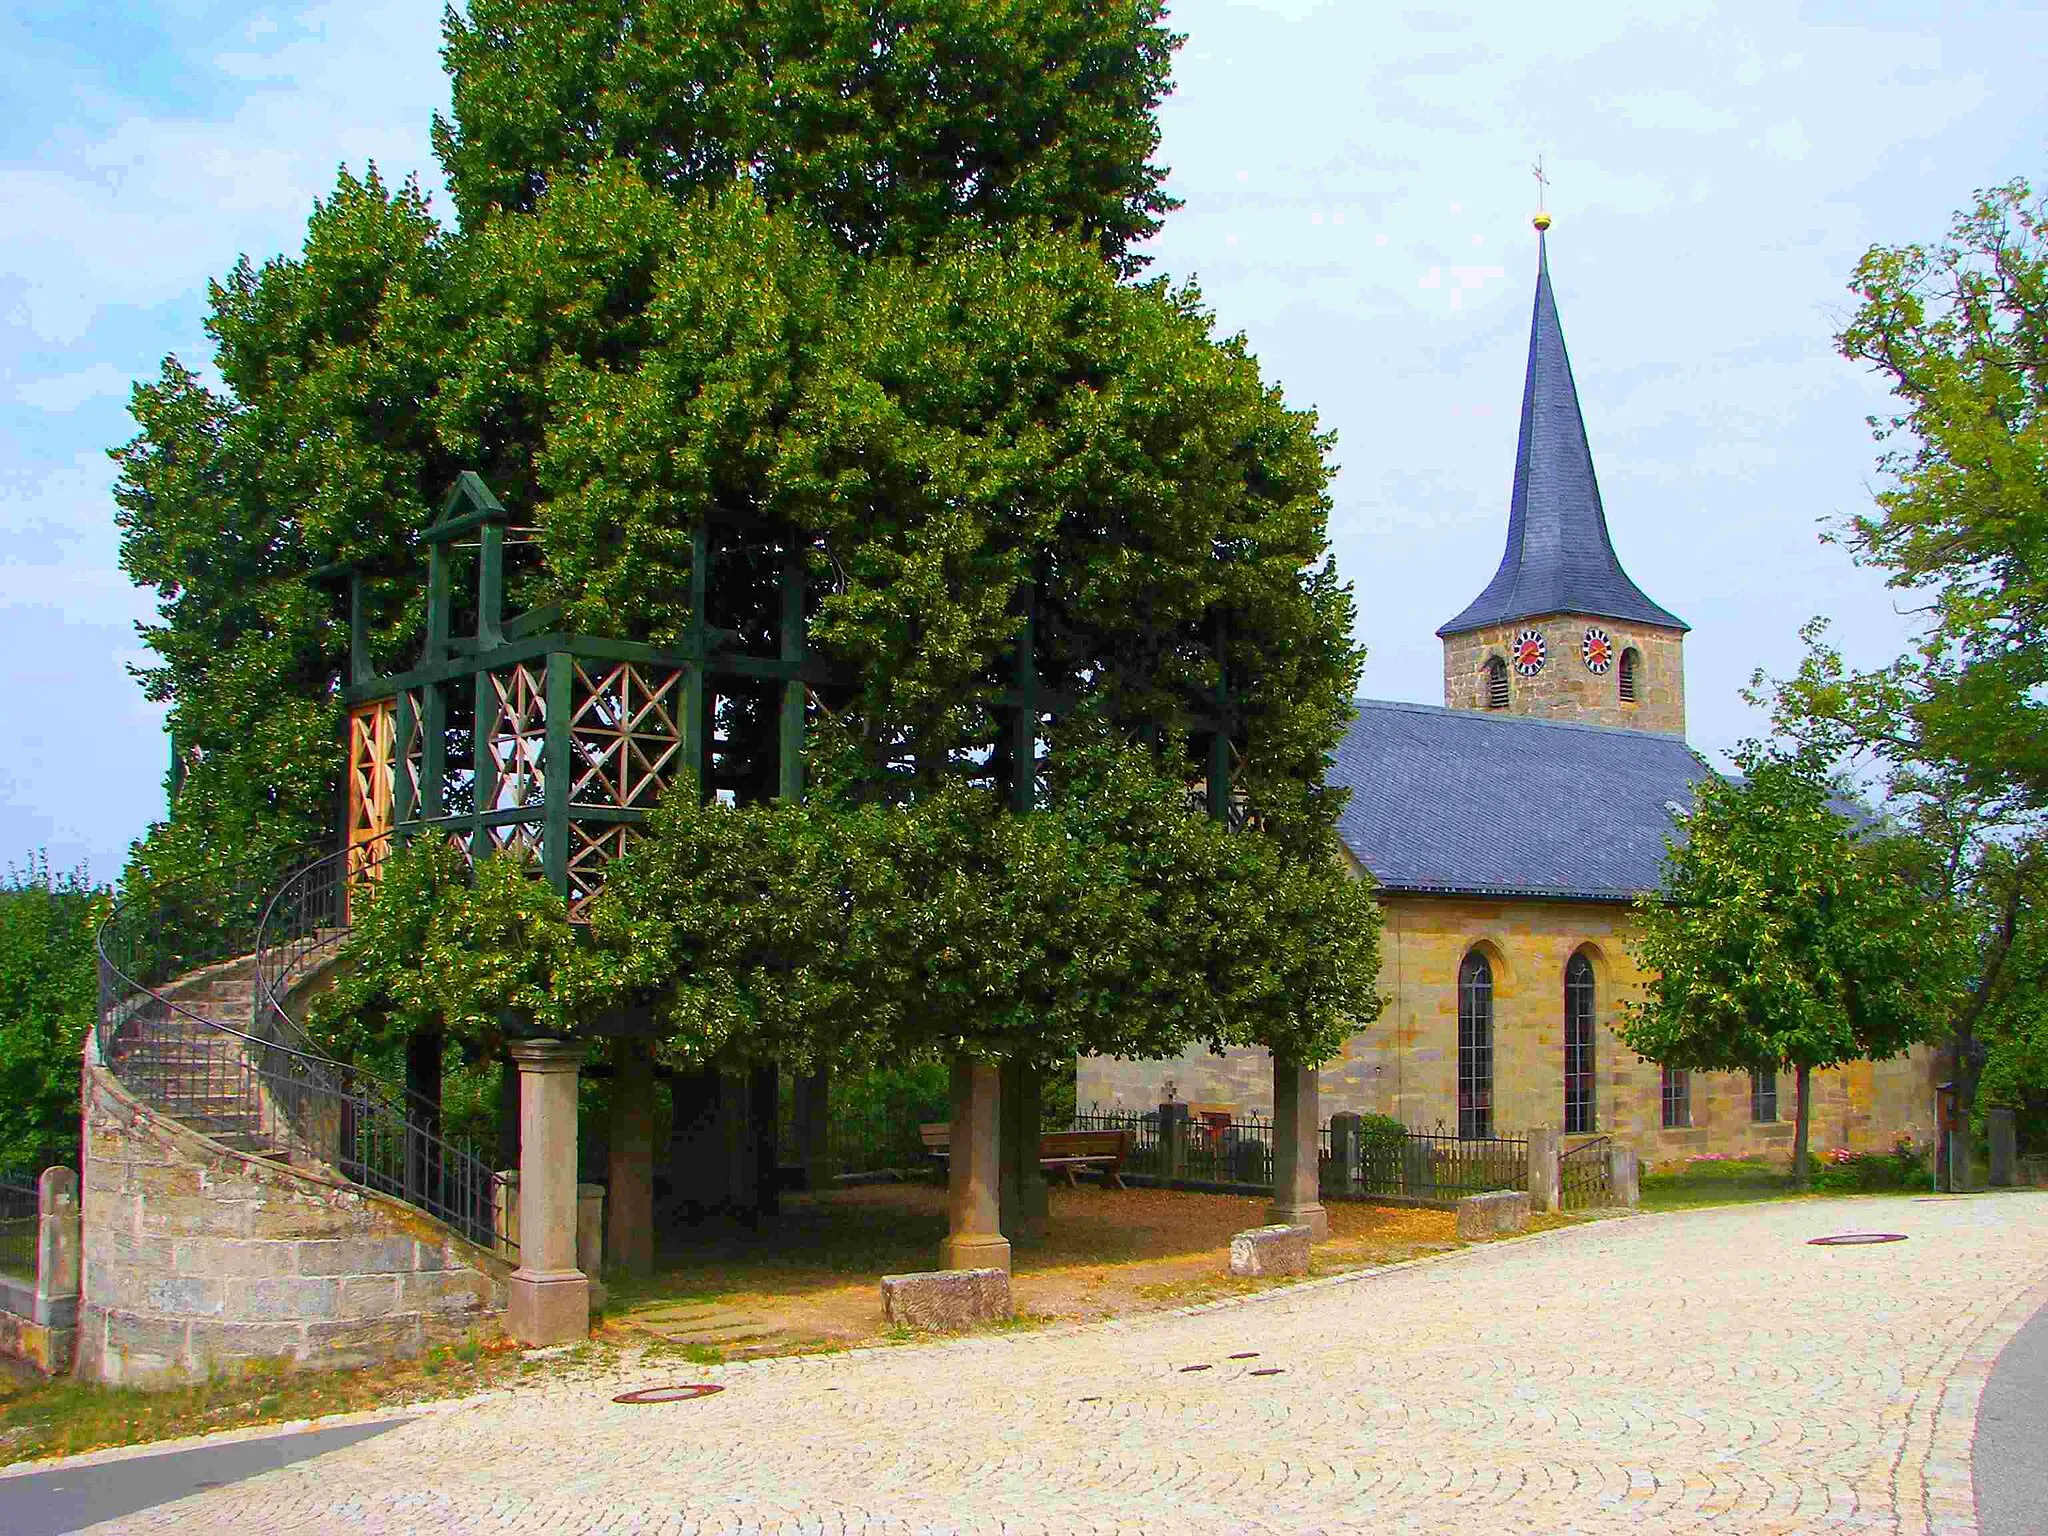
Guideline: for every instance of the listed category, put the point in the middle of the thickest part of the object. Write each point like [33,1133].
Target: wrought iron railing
[258,1083]
[19,1210]
[1584,1175]
[1434,1165]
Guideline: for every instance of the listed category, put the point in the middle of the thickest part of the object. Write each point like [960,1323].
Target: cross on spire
[1542,219]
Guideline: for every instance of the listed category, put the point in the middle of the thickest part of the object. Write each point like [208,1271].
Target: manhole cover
[1250,1354]
[1186,1368]
[1855,1239]
[682,1394]
[1270,1370]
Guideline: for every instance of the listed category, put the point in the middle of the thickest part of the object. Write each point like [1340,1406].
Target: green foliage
[909,1094]
[887,125]
[1113,921]
[49,995]
[1956,328]
[1842,1172]
[1783,937]
[1381,1131]
[450,947]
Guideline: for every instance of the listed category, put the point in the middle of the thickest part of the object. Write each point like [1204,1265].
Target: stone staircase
[200,1072]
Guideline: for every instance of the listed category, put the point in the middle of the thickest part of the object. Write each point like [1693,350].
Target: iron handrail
[275,1097]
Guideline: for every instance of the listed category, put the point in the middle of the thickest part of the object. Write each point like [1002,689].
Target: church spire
[1559,558]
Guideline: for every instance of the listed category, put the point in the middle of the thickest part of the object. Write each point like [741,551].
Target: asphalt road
[2009,1462]
[70,1498]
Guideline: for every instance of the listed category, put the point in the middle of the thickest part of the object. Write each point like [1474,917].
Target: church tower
[1561,632]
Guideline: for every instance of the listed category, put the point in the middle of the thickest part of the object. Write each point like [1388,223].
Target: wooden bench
[1061,1152]
[1068,1152]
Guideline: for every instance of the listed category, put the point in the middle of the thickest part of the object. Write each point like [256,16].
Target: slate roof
[1559,558]
[1469,802]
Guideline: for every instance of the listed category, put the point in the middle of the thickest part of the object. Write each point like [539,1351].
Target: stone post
[1024,1200]
[1622,1175]
[974,1237]
[814,1128]
[1345,1135]
[629,1213]
[1546,1191]
[590,1230]
[1173,1141]
[2005,1146]
[1297,1157]
[57,1239]
[548,1300]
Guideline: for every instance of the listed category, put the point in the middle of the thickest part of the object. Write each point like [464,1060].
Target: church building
[1508,833]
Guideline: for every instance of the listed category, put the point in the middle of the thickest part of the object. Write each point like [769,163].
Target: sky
[1358,192]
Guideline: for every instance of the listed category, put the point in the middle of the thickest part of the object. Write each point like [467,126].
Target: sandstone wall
[199,1258]
[1406,1064]
[1565,689]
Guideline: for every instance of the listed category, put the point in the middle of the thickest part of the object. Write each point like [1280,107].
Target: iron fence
[18,1213]
[1436,1165]
[1210,1150]
[258,1084]
[1585,1179]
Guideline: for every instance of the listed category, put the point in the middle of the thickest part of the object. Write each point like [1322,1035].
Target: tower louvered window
[1475,1047]
[1578,1045]
[1631,662]
[1497,684]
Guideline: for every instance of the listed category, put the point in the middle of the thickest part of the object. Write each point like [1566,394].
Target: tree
[1956,726]
[886,125]
[49,995]
[1786,935]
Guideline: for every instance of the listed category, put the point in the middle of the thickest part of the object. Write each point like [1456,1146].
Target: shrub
[1381,1131]
[1844,1172]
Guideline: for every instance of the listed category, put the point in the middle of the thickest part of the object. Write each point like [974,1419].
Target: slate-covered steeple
[1559,558]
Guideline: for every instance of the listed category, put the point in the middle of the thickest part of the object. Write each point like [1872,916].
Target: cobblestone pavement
[1698,1371]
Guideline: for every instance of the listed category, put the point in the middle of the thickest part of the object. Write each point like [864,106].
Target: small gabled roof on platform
[1453,801]
[1559,558]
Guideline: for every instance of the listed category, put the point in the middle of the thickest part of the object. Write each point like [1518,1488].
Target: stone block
[449,1290]
[946,1298]
[286,1298]
[233,1258]
[1276,1250]
[546,1307]
[220,1344]
[368,1296]
[186,1296]
[1488,1215]
[364,1343]
[386,1255]
[132,1334]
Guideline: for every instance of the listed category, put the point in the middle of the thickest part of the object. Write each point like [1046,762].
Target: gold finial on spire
[1542,219]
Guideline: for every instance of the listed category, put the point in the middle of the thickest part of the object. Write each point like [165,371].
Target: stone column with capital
[1297,1150]
[548,1300]
[974,1238]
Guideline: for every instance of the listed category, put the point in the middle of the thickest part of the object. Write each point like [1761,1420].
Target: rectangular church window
[1763,1096]
[1677,1099]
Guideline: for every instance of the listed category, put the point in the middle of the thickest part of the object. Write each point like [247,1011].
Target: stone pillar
[548,1300]
[57,1238]
[1345,1136]
[1024,1201]
[2005,1146]
[814,1128]
[1622,1175]
[1297,1157]
[1546,1189]
[1173,1141]
[974,1238]
[629,1213]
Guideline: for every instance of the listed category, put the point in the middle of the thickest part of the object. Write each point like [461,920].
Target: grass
[62,1417]
[1726,1181]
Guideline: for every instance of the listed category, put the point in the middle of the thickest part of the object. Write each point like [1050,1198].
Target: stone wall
[198,1257]
[1565,689]
[1406,1064]
[39,1308]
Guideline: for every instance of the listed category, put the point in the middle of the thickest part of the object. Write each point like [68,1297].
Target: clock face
[1530,652]
[1598,650]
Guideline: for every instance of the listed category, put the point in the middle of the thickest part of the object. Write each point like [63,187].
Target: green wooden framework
[524,734]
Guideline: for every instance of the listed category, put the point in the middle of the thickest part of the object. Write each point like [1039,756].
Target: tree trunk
[1802,1123]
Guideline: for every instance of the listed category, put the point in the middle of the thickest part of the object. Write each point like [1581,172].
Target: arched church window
[1631,664]
[1497,683]
[1475,1047]
[1578,1045]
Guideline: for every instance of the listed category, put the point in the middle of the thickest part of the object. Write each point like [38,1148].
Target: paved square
[1705,1370]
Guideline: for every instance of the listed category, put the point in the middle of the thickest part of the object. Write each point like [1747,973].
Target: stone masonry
[1406,1063]
[1565,689]
[200,1256]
